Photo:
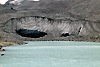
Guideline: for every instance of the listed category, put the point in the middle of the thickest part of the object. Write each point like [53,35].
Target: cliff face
[56,18]
[54,27]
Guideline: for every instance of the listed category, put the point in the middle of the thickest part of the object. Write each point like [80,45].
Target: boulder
[0,47]
[1,54]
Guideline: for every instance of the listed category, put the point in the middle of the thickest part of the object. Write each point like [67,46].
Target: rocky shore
[1,50]
[6,44]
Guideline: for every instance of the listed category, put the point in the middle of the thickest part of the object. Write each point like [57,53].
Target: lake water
[52,54]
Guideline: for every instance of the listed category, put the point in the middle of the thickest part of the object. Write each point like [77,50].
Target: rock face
[54,27]
[77,18]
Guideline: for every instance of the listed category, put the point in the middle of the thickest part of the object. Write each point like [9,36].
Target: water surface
[52,54]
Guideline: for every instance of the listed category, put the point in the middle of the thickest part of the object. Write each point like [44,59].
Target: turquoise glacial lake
[52,54]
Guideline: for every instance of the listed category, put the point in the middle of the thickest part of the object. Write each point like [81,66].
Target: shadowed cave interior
[30,33]
[35,33]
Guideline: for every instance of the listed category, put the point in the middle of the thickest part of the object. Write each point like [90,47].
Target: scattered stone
[2,50]
[0,47]
[1,54]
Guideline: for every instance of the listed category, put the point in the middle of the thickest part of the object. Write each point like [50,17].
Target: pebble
[2,50]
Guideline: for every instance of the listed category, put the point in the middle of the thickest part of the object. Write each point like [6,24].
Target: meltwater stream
[52,54]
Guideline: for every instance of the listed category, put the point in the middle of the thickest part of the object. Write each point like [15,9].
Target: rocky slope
[74,19]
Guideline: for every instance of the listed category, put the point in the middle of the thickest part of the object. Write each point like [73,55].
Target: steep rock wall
[53,27]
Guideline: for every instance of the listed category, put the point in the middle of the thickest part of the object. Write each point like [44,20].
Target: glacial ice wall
[54,27]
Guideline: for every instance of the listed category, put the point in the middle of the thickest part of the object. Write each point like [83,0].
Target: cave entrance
[65,35]
[30,33]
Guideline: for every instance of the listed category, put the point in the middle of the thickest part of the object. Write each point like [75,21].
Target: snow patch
[19,1]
